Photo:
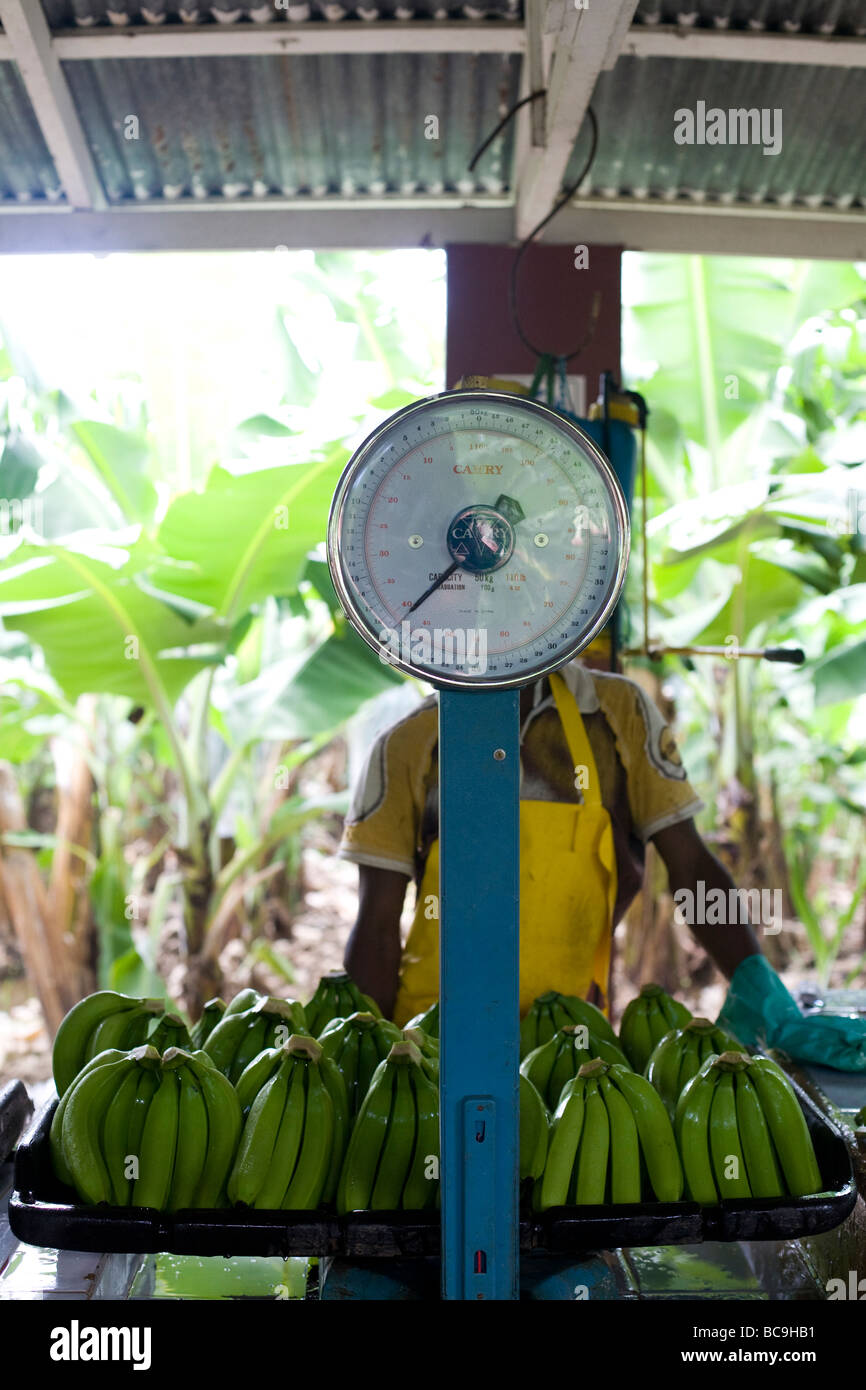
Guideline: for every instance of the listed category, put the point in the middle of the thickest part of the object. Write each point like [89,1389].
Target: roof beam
[29,40]
[743,46]
[236,40]
[589,40]
[462,36]
[710,229]
[714,229]
[337,223]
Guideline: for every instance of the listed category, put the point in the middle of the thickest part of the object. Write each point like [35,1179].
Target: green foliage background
[165,488]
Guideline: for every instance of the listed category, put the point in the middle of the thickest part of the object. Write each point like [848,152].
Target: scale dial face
[478,539]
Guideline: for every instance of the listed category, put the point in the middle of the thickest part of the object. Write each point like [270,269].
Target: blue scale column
[479,776]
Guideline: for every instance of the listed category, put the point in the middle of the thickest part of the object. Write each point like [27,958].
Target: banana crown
[174,1057]
[404,1052]
[594,1068]
[650,991]
[732,1061]
[700,1025]
[299,1043]
[284,1008]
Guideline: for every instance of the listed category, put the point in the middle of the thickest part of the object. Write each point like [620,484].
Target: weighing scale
[478,540]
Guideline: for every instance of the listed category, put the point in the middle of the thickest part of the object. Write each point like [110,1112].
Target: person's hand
[759,1010]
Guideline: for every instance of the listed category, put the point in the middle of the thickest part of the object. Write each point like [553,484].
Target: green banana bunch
[264,1067]
[742,1134]
[54,1137]
[608,1126]
[356,1045]
[645,1021]
[241,1035]
[392,1161]
[206,1131]
[137,1129]
[679,1055]
[552,1012]
[103,1021]
[554,1063]
[337,996]
[208,1019]
[534,1130]
[788,1128]
[428,1022]
[429,1049]
[294,1135]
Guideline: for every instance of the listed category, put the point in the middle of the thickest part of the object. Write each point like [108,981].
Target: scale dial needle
[433,587]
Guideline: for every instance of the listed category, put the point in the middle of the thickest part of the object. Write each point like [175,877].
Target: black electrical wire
[533,96]
[564,198]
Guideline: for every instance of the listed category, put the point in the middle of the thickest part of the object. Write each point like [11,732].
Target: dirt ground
[318,934]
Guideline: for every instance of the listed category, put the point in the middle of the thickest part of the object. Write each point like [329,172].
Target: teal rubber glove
[760,1012]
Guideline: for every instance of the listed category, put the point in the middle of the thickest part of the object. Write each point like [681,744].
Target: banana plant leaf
[841,675]
[246,536]
[97,629]
[19,467]
[302,698]
[120,460]
[721,318]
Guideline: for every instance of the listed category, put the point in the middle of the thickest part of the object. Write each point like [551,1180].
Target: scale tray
[42,1211]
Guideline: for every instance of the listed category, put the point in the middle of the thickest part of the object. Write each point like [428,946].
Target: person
[601,777]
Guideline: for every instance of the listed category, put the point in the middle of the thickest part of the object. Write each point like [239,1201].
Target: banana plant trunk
[749,832]
[203,974]
[29,910]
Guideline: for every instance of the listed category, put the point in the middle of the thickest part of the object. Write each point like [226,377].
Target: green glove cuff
[760,1011]
[757,1004]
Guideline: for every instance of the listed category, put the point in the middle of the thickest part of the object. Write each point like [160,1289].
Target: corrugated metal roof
[783,16]
[305,125]
[820,161]
[26,168]
[62,14]
[779,16]
[262,126]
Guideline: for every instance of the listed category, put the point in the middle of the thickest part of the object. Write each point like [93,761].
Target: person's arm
[688,862]
[372,955]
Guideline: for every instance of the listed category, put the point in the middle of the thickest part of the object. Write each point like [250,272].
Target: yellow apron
[568,885]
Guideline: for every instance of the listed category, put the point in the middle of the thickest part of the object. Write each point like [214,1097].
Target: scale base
[542,1277]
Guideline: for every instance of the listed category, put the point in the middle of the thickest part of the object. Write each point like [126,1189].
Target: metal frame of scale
[479,763]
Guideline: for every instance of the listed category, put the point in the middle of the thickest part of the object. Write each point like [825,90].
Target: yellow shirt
[394,813]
